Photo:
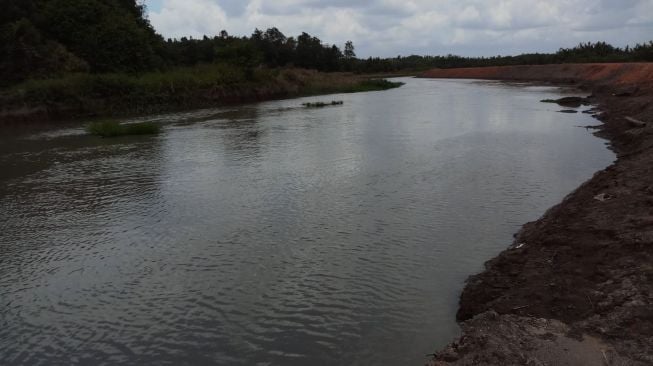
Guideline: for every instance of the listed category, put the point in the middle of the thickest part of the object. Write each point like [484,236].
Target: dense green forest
[46,38]
[42,38]
[49,38]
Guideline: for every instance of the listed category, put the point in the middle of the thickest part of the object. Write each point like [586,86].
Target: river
[272,234]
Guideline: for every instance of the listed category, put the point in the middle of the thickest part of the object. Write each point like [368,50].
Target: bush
[374,84]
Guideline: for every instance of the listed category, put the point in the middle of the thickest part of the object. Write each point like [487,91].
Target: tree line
[582,53]
[46,38]
[41,38]
[270,48]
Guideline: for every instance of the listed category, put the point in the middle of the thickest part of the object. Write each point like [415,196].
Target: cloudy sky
[392,27]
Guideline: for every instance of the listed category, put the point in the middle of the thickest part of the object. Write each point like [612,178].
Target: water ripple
[271,234]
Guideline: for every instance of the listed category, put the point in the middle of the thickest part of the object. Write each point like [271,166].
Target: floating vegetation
[322,104]
[115,129]
[573,102]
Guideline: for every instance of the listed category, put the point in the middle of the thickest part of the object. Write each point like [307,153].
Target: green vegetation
[322,104]
[102,57]
[51,38]
[121,94]
[42,39]
[583,53]
[74,58]
[573,102]
[115,129]
[374,84]
[113,93]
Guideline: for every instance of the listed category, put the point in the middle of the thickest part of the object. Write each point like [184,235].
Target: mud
[584,270]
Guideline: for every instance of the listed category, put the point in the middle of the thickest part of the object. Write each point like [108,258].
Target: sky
[387,28]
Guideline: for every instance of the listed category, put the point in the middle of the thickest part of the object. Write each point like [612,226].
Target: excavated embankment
[576,286]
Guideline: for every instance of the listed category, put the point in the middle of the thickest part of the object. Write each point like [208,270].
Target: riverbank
[117,95]
[576,286]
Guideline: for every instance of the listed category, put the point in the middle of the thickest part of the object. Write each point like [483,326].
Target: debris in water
[322,104]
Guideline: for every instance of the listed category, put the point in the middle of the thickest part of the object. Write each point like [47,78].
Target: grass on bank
[115,129]
[112,95]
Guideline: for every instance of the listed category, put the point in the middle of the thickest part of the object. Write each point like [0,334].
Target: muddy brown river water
[272,234]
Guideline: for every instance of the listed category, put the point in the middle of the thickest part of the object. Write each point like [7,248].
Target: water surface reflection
[273,234]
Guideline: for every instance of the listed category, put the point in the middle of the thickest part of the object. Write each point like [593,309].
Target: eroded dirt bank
[576,286]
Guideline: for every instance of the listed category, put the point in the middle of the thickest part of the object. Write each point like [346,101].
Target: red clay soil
[576,286]
[617,74]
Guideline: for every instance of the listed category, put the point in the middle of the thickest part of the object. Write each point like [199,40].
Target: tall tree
[349,50]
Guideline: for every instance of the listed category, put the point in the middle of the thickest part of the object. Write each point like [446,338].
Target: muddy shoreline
[576,286]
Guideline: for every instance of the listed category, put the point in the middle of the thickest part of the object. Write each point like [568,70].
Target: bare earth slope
[576,286]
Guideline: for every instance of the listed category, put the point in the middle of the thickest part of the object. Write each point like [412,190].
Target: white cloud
[178,18]
[392,27]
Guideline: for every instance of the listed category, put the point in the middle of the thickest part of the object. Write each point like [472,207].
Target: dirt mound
[588,262]
[596,75]
[519,340]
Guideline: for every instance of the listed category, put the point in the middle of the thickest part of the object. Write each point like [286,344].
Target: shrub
[377,84]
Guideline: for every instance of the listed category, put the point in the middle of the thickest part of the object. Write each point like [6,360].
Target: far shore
[89,96]
[575,286]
